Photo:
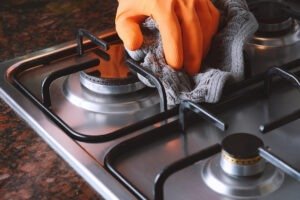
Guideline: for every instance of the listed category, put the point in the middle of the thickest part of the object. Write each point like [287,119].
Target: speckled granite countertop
[29,169]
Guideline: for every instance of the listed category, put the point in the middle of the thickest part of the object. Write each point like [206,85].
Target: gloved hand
[186,28]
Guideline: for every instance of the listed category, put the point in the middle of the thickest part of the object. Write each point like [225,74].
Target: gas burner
[239,171]
[110,87]
[103,103]
[241,187]
[277,40]
[112,76]
[269,49]
[240,155]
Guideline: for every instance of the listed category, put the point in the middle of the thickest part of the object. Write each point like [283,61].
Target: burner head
[240,155]
[242,145]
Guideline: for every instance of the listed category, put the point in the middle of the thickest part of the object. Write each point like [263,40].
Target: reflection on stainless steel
[241,187]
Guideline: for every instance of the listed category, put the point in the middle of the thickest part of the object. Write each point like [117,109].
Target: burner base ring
[241,187]
[83,98]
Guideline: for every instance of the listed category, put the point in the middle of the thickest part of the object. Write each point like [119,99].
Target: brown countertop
[29,169]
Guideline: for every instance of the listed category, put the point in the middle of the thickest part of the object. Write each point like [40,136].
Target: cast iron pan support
[268,84]
[52,76]
[74,68]
[161,178]
[188,105]
[133,65]
[277,162]
[84,33]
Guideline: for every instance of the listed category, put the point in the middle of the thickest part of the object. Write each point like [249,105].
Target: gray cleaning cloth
[223,63]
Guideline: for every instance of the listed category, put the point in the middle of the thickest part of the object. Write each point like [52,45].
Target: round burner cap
[242,145]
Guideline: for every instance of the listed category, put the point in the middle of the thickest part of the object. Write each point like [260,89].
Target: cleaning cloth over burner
[223,62]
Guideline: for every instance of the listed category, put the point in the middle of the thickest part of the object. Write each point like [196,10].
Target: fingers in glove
[206,21]
[192,38]
[129,31]
[170,31]
[215,16]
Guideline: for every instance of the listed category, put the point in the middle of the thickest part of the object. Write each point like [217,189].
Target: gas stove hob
[86,102]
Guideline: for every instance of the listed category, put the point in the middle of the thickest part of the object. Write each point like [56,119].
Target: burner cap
[242,145]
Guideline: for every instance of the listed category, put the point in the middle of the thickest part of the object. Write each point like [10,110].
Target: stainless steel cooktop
[127,144]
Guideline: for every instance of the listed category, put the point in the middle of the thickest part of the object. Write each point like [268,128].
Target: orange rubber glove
[186,28]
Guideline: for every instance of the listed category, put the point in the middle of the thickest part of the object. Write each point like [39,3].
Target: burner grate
[64,68]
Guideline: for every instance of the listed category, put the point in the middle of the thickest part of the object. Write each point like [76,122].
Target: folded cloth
[223,63]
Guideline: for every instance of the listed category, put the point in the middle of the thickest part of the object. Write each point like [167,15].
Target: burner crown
[242,145]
